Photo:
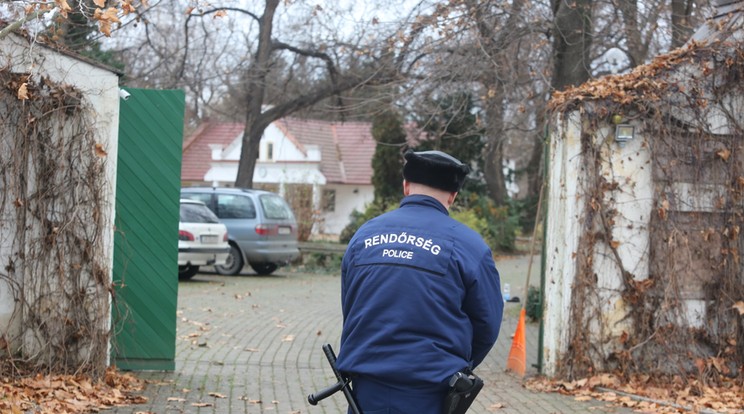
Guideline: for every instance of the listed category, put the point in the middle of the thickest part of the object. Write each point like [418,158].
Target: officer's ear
[451,198]
[406,188]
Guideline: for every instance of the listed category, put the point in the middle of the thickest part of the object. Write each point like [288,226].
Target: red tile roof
[197,156]
[346,148]
[356,148]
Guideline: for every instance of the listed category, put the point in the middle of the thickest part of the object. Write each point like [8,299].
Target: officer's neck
[444,197]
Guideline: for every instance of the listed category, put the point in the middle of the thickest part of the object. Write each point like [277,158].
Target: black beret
[435,169]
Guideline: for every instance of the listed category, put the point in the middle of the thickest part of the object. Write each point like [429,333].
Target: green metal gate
[146,245]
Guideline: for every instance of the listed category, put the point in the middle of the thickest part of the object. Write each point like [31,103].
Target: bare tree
[37,16]
[383,68]
[507,55]
[239,55]
[642,29]
[683,21]
[572,41]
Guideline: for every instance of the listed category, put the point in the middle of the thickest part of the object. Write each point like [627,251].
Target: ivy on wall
[52,220]
[687,105]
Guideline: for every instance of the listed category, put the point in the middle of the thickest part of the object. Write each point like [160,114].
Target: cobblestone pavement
[252,344]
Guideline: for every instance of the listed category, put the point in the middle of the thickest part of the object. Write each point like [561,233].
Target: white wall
[7,303]
[289,164]
[101,93]
[285,149]
[348,198]
[7,234]
[564,207]
[630,167]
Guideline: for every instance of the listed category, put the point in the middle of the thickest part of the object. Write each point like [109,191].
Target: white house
[334,158]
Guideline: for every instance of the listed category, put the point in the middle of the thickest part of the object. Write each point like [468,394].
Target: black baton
[343,384]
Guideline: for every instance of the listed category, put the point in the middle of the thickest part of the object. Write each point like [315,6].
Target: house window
[270,151]
[329,200]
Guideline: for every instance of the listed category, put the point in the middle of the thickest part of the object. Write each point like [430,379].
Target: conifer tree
[387,162]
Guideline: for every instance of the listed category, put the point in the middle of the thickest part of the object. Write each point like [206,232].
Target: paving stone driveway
[252,344]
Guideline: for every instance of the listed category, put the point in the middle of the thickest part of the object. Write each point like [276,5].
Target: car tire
[264,269]
[187,272]
[234,263]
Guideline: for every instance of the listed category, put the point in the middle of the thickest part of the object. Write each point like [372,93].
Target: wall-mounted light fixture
[624,133]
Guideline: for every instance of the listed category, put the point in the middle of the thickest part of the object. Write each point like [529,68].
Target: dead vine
[51,228]
[681,318]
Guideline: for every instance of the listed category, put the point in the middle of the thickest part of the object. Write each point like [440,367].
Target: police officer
[421,296]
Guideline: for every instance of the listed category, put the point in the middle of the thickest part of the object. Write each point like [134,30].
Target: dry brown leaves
[645,394]
[68,394]
[643,82]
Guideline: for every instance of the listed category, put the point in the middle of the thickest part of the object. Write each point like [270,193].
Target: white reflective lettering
[404,238]
[397,254]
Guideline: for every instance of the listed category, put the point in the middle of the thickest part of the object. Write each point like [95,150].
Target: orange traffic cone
[517,361]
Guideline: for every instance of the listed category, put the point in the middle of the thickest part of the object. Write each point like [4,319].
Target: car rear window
[197,213]
[205,198]
[275,208]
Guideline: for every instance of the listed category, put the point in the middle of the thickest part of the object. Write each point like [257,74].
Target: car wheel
[264,269]
[234,263]
[187,272]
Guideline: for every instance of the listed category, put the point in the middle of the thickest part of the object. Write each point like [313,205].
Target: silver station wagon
[262,229]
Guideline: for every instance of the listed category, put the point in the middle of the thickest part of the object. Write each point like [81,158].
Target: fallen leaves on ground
[68,394]
[646,394]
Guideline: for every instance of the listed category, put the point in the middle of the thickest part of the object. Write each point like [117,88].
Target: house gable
[197,154]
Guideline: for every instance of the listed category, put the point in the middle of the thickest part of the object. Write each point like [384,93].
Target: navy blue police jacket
[421,297]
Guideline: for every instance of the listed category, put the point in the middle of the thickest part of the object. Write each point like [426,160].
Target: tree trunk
[254,101]
[572,39]
[498,45]
[494,172]
[636,48]
[681,28]
[493,151]
[571,44]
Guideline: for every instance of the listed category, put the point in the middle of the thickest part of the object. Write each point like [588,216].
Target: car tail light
[224,238]
[265,230]
[185,236]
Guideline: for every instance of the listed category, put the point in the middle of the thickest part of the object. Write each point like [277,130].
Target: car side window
[231,206]
[274,207]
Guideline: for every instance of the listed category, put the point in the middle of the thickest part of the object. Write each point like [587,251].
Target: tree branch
[202,14]
[18,23]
